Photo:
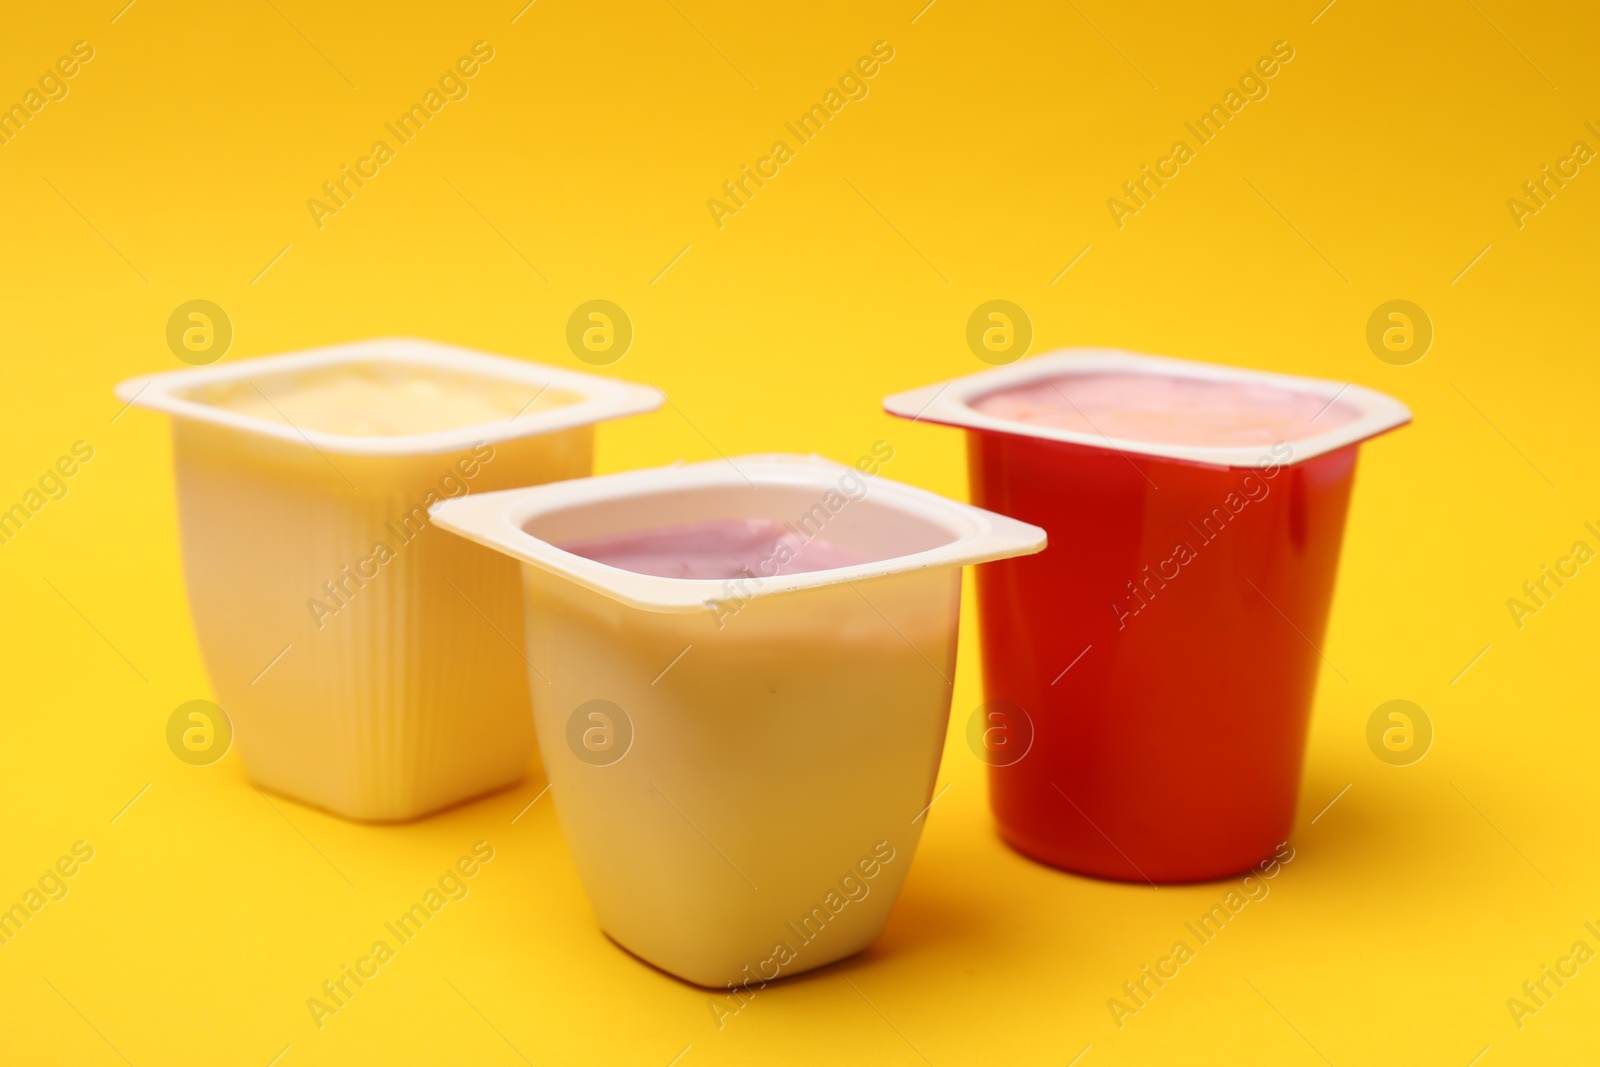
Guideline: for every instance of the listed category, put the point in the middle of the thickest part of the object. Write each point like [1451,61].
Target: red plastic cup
[1148,678]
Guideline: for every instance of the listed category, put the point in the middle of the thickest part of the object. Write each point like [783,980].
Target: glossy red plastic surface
[1197,598]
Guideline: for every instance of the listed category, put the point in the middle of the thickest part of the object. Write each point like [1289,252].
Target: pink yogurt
[715,549]
[1170,410]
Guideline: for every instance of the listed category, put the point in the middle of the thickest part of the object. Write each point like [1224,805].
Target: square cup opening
[388,397]
[859,527]
[739,530]
[380,396]
[1131,403]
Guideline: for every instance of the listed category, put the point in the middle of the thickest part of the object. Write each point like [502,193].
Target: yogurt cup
[767,746]
[370,666]
[1164,653]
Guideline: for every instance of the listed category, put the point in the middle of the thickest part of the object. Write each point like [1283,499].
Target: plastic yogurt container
[371,666]
[1155,668]
[740,761]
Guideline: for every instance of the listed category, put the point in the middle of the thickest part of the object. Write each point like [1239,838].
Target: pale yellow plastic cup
[742,768]
[370,665]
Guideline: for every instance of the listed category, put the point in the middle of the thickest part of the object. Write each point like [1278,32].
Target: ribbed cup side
[411,695]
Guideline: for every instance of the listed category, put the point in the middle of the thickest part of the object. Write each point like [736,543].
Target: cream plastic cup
[741,768]
[370,666]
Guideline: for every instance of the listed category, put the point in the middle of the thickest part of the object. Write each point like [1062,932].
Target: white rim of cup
[601,398]
[950,404]
[498,520]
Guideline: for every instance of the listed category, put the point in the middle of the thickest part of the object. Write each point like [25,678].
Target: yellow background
[978,167]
